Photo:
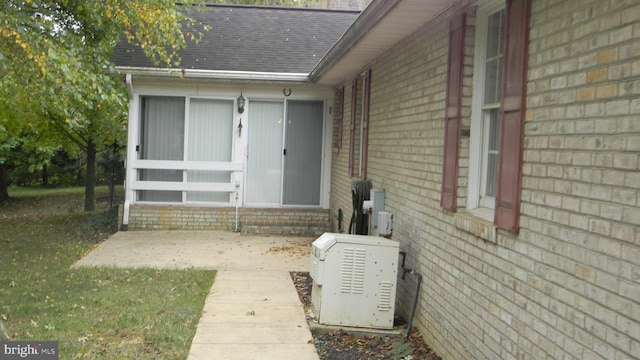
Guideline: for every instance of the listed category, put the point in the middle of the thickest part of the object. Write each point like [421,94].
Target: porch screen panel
[162,138]
[303,160]
[210,138]
[264,163]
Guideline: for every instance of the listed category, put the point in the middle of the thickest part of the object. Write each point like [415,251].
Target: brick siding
[307,222]
[566,287]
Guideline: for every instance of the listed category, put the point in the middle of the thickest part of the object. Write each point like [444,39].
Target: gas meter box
[354,280]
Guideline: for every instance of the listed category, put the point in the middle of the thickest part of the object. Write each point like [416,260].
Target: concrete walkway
[252,311]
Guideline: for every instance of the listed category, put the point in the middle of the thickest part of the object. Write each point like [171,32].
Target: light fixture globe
[240,103]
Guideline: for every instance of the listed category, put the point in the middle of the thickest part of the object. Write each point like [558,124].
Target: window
[497,113]
[485,114]
[185,129]
[161,138]
[210,138]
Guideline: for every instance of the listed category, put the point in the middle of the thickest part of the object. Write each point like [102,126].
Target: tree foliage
[55,84]
[54,55]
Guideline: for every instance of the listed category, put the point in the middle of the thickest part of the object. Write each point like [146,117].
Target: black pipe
[416,295]
[360,191]
[415,302]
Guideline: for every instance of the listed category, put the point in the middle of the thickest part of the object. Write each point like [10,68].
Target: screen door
[284,153]
[303,153]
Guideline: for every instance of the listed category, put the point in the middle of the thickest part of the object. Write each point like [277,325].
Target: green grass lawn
[105,313]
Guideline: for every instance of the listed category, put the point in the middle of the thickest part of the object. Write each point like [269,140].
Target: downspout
[129,86]
[416,295]
[128,194]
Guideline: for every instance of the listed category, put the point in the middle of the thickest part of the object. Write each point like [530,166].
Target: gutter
[213,74]
[371,15]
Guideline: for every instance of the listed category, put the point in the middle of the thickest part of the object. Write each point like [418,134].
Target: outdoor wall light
[240,103]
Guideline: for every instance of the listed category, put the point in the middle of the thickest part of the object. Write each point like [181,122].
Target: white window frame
[477,203]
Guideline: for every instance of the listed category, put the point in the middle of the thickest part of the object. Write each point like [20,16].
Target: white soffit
[381,25]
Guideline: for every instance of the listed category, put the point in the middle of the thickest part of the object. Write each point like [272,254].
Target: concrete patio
[252,311]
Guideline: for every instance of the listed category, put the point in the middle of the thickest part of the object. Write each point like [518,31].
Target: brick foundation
[306,222]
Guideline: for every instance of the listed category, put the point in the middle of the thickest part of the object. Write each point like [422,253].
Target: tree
[54,68]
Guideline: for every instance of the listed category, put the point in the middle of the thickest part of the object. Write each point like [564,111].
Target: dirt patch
[301,250]
[295,247]
[342,345]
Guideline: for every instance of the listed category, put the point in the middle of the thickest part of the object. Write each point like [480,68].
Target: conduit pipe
[237,217]
[237,201]
[414,306]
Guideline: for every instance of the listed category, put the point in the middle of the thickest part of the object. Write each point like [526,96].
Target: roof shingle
[253,38]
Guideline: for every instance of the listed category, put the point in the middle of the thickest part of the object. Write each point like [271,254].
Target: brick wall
[308,222]
[566,287]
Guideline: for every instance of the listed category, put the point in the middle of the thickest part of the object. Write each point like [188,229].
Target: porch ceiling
[382,24]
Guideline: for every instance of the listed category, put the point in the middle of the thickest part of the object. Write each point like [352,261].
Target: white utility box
[385,223]
[354,280]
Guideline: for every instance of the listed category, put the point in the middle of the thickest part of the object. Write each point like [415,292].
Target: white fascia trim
[368,19]
[214,74]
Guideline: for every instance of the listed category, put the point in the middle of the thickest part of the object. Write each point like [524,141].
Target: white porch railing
[185,185]
[134,185]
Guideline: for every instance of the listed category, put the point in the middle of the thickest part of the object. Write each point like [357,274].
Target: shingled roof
[254,39]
